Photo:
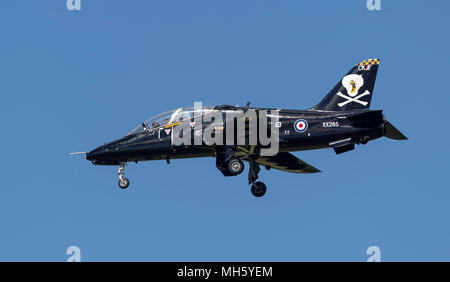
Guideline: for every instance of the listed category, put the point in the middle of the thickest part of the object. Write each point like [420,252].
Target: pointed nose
[103,155]
[97,154]
[111,153]
[107,154]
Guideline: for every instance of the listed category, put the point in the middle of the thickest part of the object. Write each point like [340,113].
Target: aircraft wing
[286,162]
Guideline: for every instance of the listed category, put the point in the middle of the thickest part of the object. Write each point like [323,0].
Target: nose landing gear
[123,181]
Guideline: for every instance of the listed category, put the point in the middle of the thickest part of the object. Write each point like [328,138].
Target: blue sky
[72,80]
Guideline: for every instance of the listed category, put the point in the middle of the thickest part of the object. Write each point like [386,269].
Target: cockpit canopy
[170,117]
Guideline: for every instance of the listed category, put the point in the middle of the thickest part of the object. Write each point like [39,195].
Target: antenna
[78,153]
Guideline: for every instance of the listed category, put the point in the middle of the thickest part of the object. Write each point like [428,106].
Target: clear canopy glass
[170,117]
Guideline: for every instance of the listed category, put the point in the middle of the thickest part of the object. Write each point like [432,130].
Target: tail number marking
[330,124]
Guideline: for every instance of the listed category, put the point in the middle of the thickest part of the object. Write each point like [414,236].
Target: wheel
[124,182]
[259,189]
[235,166]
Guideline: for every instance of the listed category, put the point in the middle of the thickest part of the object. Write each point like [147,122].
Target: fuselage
[320,129]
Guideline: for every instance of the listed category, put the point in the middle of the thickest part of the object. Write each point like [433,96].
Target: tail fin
[354,91]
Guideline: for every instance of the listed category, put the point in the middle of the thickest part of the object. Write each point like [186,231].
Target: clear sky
[72,80]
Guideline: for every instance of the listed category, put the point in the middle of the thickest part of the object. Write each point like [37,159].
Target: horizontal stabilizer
[391,132]
[286,162]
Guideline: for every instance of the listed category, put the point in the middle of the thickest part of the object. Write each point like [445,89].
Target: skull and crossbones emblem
[352,83]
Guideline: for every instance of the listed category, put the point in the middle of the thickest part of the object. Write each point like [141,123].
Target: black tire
[124,183]
[235,166]
[259,189]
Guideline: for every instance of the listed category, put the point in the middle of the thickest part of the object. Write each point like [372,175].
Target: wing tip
[314,170]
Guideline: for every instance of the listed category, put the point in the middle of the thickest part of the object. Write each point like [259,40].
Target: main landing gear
[229,165]
[123,181]
[235,166]
[258,188]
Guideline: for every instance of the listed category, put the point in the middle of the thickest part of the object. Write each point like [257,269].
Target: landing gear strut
[123,181]
[258,188]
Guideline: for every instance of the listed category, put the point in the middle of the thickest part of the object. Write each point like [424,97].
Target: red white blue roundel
[301,125]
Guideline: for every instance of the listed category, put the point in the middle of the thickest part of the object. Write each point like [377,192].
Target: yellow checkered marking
[370,62]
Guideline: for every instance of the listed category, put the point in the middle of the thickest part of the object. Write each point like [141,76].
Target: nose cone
[97,154]
[108,154]
[102,156]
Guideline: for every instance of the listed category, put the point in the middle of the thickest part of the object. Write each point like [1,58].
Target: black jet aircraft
[341,120]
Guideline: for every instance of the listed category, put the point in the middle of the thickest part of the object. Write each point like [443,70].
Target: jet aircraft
[339,121]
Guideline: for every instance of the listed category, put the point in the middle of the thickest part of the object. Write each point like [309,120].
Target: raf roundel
[301,125]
